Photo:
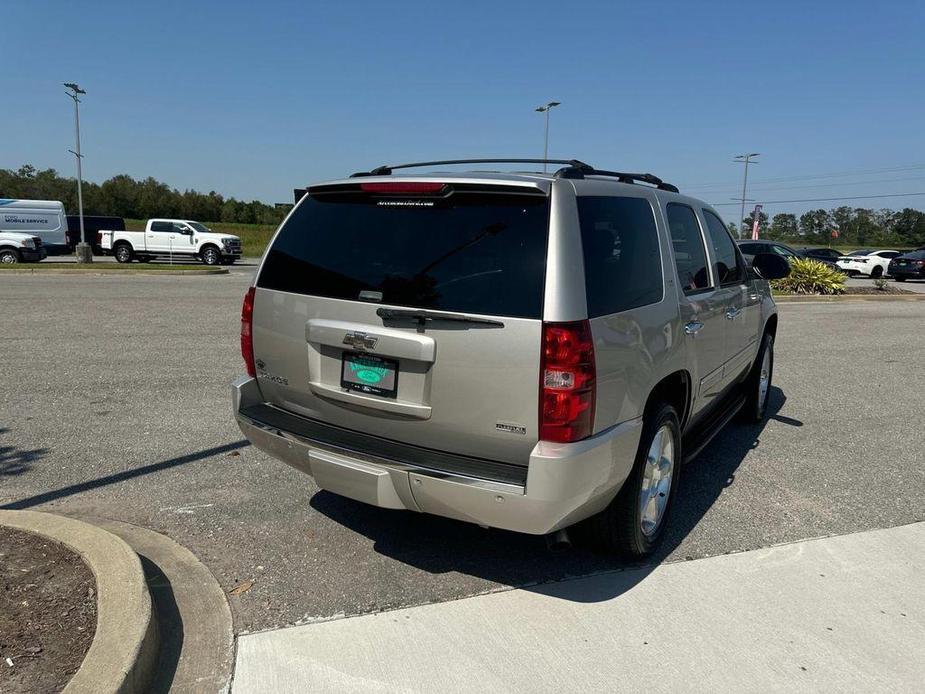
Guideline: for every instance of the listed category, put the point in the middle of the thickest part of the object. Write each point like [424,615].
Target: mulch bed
[47,613]
[873,290]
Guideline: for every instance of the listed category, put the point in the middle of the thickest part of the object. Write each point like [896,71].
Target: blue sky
[253,99]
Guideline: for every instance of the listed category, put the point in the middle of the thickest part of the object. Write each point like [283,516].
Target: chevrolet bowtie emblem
[360,340]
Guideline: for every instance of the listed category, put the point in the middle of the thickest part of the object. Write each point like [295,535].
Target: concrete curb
[125,647]
[196,634]
[116,273]
[800,298]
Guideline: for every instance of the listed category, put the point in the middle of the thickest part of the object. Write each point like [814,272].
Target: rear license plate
[369,374]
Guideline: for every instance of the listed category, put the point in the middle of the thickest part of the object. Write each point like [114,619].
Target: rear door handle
[732,312]
[694,327]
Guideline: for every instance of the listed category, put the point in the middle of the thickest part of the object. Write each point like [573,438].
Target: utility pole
[84,250]
[746,159]
[545,109]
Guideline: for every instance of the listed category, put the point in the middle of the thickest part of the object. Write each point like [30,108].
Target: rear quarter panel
[635,349]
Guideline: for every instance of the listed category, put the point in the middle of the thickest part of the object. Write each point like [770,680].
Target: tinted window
[752,248]
[915,255]
[689,254]
[469,252]
[623,266]
[889,254]
[783,250]
[726,264]
[162,226]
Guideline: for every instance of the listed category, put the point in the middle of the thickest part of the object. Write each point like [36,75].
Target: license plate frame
[353,364]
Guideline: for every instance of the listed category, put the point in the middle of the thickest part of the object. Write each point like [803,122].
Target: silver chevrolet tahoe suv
[525,351]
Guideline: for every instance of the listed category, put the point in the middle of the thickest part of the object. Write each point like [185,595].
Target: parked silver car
[518,350]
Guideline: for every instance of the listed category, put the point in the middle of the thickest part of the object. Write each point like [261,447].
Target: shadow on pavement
[16,461]
[72,489]
[439,545]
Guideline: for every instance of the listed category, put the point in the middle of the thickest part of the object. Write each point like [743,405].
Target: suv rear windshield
[472,251]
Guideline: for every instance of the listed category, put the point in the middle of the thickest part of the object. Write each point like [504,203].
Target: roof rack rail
[387,170]
[573,168]
[621,176]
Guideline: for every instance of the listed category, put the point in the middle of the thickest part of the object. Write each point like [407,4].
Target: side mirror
[770,266]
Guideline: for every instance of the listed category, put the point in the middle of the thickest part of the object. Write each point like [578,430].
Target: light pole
[84,250]
[744,158]
[545,109]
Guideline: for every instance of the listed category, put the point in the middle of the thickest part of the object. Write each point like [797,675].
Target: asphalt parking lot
[115,403]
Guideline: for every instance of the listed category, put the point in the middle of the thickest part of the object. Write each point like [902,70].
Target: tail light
[567,385]
[99,238]
[247,332]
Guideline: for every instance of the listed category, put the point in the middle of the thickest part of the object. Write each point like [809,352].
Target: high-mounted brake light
[247,332]
[567,382]
[417,187]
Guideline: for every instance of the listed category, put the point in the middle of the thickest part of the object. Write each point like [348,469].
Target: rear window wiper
[422,316]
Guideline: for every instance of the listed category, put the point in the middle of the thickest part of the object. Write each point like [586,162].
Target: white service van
[42,218]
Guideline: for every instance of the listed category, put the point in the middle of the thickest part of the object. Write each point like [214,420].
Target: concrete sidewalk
[839,614]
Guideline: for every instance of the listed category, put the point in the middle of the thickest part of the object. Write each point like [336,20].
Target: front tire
[123,253]
[8,256]
[635,520]
[211,256]
[758,383]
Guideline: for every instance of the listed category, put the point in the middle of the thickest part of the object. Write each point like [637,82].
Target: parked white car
[20,248]
[867,262]
[42,218]
[175,238]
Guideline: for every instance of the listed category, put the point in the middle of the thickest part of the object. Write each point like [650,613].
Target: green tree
[908,226]
[784,227]
[124,196]
[816,226]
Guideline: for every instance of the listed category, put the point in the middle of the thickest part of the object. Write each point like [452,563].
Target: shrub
[810,277]
[880,283]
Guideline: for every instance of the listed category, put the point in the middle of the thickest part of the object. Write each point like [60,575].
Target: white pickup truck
[175,238]
[20,248]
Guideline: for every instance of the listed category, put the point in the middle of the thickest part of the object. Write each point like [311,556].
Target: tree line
[124,196]
[856,226]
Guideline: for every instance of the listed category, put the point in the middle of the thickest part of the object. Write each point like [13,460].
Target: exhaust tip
[559,541]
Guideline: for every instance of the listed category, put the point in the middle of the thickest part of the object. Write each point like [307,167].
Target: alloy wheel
[656,481]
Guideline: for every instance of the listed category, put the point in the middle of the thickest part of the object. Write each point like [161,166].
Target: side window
[889,254]
[623,266]
[179,227]
[780,250]
[165,227]
[727,264]
[690,257]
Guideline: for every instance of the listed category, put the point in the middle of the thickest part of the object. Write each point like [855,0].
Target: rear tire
[758,383]
[635,520]
[123,253]
[8,256]
[876,273]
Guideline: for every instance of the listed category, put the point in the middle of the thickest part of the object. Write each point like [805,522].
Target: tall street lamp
[744,159]
[545,109]
[84,250]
